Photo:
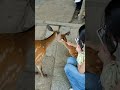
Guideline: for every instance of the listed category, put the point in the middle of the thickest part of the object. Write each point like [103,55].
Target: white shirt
[81,56]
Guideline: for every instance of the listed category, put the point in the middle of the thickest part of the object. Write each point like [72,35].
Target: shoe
[70,89]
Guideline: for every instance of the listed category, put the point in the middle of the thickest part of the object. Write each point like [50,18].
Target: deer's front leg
[43,74]
[39,67]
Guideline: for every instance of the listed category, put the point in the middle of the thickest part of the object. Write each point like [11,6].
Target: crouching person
[75,68]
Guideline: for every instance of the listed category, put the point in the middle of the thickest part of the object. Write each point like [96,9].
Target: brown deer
[40,49]
[14,48]
[93,63]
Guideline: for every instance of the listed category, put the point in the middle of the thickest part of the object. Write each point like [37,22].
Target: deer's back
[13,50]
[12,59]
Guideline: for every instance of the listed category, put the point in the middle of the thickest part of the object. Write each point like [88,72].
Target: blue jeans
[80,81]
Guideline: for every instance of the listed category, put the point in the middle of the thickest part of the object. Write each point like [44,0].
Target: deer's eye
[64,38]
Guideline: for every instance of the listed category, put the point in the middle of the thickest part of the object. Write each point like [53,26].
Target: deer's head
[63,36]
[59,36]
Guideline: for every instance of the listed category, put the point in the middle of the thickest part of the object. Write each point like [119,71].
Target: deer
[93,62]
[14,48]
[40,50]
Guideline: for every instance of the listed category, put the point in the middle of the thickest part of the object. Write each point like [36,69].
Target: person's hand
[61,40]
[104,55]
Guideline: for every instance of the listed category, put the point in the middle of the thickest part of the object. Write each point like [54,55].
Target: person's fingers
[69,44]
[61,40]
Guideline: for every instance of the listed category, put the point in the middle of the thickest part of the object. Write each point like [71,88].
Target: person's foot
[71,89]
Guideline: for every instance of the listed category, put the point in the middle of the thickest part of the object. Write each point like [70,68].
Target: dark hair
[112,18]
[81,36]
[82,33]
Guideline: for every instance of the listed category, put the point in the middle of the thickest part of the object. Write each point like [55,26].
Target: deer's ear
[68,33]
[49,28]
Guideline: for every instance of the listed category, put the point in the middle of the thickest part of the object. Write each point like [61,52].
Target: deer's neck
[49,40]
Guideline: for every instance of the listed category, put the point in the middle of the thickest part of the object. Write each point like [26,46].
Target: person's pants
[80,81]
[76,79]
[78,5]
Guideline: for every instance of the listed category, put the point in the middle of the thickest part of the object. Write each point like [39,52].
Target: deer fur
[13,56]
[93,62]
[40,49]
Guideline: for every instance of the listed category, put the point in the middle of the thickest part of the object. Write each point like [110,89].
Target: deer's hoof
[44,75]
[37,73]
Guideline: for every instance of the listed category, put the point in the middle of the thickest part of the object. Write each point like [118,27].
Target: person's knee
[67,68]
[70,59]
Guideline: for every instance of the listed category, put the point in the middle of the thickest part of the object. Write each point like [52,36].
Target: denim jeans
[92,82]
[80,81]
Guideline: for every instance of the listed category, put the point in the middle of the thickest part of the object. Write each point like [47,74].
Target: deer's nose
[58,32]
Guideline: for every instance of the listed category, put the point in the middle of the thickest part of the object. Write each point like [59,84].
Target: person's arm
[68,43]
[71,44]
[81,68]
